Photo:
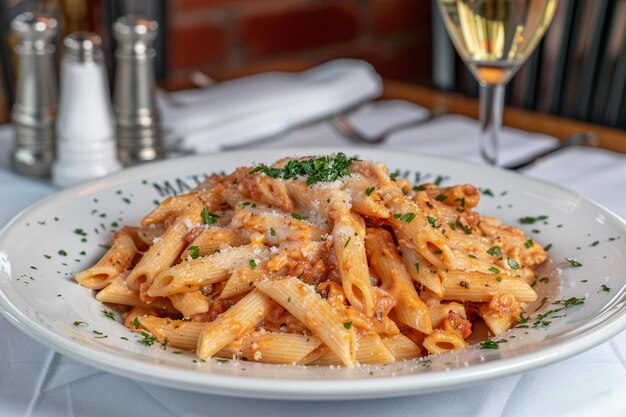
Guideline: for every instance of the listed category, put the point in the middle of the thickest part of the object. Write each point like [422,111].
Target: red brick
[410,62]
[301,28]
[395,16]
[194,46]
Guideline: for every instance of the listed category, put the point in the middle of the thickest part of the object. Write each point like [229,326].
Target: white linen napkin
[240,111]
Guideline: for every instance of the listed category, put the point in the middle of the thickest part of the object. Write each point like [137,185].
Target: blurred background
[578,71]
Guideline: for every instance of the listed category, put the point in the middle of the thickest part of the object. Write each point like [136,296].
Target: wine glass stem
[491,108]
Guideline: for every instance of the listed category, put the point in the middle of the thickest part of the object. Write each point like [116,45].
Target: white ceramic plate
[45,245]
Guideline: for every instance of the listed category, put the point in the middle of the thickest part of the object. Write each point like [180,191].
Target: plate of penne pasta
[315,273]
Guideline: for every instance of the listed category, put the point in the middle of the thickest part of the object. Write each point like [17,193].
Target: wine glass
[494,38]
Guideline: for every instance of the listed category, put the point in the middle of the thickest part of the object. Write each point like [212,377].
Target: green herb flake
[514,265]
[148,339]
[438,252]
[548,247]
[499,279]
[573,262]
[452,226]
[605,288]
[207,218]
[529,244]
[532,220]
[80,232]
[491,344]
[494,251]
[488,192]
[494,270]
[472,256]
[177,352]
[397,216]
[195,251]
[393,176]
[136,322]
[407,217]
[418,188]
[347,324]
[80,323]
[369,191]
[347,241]
[252,264]
[431,221]
[417,267]
[595,243]
[441,197]
[272,231]
[218,360]
[126,200]
[62,252]
[438,180]
[296,216]
[289,299]
[108,314]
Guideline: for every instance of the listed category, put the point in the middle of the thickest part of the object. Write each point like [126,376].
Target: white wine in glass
[494,38]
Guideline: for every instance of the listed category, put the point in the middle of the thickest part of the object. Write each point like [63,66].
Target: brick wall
[216,35]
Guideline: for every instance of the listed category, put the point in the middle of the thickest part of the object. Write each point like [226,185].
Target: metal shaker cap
[131,27]
[34,31]
[83,46]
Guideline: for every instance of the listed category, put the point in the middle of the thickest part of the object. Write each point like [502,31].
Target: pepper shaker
[34,111]
[139,133]
[85,125]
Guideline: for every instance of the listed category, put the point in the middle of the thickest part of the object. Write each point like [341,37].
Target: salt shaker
[85,126]
[139,133]
[35,108]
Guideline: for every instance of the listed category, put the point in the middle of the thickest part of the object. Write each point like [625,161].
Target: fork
[344,126]
[576,139]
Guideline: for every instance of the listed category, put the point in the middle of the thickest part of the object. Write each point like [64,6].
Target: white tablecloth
[38,382]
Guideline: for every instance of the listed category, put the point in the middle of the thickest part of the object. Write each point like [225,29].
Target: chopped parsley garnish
[494,270]
[438,252]
[572,301]
[47,256]
[532,220]
[472,256]
[548,246]
[397,216]
[605,288]
[499,279]
[407,217]
[272,231]
[218,360]
[289,299]
[529,244]
[315,170]
[441,197]
[573,262]
[417,267]
[544,280]
[512,263]
[148,339]
[207,218]
[252,264]
[80,232]
[488,192]
[393,176]
[438,180]
[126,200]
[178,352]
[452,226]
[418,188]
[136,322]
[296,216]
[494,251]
[347,241]
[369,191]
[80,323]
[62,253]
[108,314]
[195,251]
[491,344]
[431,221]
[595,243]
[347,324]
[467,229]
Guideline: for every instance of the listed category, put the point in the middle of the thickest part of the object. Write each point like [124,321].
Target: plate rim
[307,389]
